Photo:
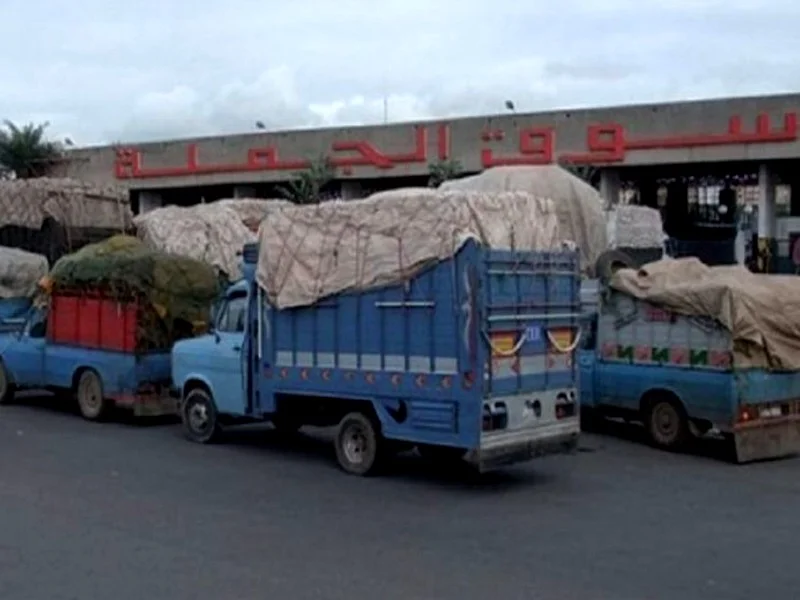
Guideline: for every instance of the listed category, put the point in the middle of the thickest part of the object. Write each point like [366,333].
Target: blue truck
[471,359]
[675,374]
[98,378]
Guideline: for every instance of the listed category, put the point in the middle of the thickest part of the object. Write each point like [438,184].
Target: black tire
[199,417]
[359,445]
[667,424]
[6,387]
[441,454]
[89,394]
[609,262]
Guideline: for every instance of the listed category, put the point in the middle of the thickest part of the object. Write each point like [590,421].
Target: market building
[697,161]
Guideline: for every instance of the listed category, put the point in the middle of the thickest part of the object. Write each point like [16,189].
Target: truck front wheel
[6,387]
[199,417]
[358,445]
[89,393]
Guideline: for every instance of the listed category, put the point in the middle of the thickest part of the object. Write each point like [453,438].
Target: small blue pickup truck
[675,374]
[98,378]
[471,358]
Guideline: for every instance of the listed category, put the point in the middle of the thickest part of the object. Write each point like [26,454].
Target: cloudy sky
[103,71]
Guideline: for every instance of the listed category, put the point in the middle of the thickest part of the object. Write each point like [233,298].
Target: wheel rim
[198,417]
[90,395]
[355,444]
[666,422]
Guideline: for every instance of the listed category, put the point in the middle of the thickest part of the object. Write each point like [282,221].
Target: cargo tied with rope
[157,298]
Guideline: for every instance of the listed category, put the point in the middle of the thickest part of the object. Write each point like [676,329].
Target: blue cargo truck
[676,374]
[471,358]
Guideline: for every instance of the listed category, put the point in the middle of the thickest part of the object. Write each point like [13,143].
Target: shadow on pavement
[708,448]
[316,444]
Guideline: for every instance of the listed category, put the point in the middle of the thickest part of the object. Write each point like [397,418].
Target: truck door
[228,363]
[26,359]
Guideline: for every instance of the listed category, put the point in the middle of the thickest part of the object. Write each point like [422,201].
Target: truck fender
[196,380]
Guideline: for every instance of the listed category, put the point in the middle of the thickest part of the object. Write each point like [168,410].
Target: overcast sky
[103,71]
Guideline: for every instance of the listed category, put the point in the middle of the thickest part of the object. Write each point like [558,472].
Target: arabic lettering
[605,143]
[345,155]
[536,147]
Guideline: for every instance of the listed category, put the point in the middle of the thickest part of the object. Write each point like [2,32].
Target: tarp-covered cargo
[761,312]
[20,272]
[177,291]
[72,203]
[212,233]
[578,206]
[55,216]
[310,252]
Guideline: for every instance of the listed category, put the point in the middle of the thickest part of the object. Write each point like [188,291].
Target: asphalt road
[92,511]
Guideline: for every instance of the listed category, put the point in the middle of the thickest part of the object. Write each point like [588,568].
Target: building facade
[736,142]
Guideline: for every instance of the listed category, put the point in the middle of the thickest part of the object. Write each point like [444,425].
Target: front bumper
[767,439]
[507,448]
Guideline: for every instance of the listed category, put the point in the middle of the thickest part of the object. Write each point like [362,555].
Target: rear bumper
[767,439]
[503,449]
[155,404]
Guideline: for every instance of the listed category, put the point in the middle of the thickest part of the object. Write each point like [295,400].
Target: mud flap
[760,441]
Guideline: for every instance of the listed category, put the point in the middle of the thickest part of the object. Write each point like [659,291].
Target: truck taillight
[566,406]
[748,412]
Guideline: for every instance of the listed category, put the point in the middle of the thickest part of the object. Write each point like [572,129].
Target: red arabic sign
[605,144]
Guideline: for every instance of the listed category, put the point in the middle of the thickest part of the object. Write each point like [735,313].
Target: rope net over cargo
[212,233]
[578,206]
[175,292]
[309,252]
[53,216]
[20,272]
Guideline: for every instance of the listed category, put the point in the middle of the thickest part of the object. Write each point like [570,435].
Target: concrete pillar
[352,190]
[244,191]
[149,201]
[766,219]
[610,187]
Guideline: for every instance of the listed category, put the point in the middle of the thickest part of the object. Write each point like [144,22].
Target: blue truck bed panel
[420,351]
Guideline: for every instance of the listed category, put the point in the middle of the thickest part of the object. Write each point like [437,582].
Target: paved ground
[118,511]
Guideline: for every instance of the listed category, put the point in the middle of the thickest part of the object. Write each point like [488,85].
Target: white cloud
[159,70]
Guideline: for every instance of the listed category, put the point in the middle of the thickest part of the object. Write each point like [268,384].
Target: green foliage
[587,173]
[308,186]
[26,152]
[443,170]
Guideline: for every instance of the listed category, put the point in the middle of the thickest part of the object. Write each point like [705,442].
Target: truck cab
[214,362]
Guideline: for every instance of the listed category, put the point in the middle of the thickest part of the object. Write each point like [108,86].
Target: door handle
[236,348]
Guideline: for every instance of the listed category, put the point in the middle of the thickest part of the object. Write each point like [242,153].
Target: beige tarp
[309,252]
[252,210]
[762,312]
[72,203]
[213,233]
[20,272]
[578,205]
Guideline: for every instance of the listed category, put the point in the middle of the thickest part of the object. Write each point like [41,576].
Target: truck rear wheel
[199,417]
[667,424]
[89,394]
[6,387]
[358,445]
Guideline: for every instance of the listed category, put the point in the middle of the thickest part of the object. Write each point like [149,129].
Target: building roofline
[356,127]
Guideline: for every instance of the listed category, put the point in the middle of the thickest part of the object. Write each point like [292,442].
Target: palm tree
[26,152]
[307,186]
